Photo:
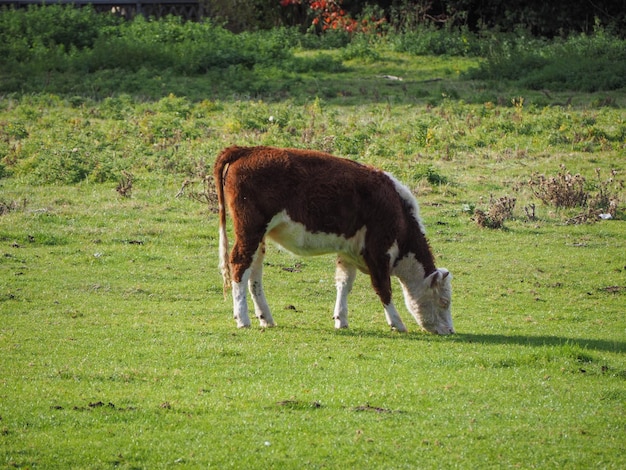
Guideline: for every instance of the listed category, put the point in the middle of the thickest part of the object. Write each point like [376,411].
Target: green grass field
[118,349]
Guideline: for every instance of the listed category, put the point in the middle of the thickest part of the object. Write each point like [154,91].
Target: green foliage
[45,138]
[430,40]
[24,33]
[582,62]
[429,173]
[331,39]
[186,48]
[362,46]
[169,43]
[76,51]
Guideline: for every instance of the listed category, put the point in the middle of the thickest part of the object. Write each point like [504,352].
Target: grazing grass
[117,348]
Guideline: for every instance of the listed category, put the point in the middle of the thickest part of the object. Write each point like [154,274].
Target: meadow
[118,349]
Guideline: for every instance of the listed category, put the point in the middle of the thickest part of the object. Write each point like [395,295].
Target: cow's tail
[228,156]
[220,171]
[219,174]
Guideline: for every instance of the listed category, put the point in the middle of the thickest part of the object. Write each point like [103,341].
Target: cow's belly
[294,237]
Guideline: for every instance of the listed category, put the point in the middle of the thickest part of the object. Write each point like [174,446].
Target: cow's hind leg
[344,279]
[255,285]
[242,259]
[240,303]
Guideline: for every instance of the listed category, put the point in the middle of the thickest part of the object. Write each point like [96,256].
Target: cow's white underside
[294,237]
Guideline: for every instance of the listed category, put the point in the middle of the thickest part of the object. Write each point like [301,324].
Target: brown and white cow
[313,203]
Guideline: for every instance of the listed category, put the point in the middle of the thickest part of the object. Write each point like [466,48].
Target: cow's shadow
[488,338]
[541,340]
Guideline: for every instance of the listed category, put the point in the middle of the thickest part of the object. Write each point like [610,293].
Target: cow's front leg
[380,270]
[255,285]
[393,317]
[344,279]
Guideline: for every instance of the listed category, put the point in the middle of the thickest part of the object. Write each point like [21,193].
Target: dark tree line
[541,17]
[546,18]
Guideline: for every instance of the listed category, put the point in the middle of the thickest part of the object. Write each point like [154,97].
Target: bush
[430,174]
[562,190]
[362,47]
[63,39]
[566,191]
[187,48]
[331,39]
[582,63]
[499,210]
[429,40]
[25,32]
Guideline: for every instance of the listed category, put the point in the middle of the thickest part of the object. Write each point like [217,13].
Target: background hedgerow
[74,51]
[580,62]
[55,39]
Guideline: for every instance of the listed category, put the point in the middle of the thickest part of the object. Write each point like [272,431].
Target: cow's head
[429,299]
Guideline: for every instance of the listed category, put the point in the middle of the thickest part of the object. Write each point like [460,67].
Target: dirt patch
[375,409]
[615,289]
[299,405]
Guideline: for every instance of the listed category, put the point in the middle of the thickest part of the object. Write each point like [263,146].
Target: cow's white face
[427,298]
[433,306]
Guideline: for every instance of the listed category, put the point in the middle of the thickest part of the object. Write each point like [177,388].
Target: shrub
[562,190]
[430,40]
[62,165]
[361,47]
[430,174]
[332,39]
[23,31]
[566,191]
[125,186]
[57,38]
[605,195]
[7,206]
[582,62]
[499,210]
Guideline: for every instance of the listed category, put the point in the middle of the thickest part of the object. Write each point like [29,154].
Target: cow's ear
[434,279]
[437,277]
